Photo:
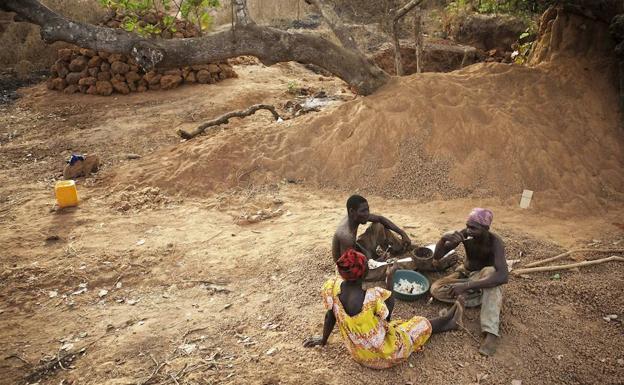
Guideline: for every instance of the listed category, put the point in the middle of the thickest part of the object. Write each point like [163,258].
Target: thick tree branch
[268,44]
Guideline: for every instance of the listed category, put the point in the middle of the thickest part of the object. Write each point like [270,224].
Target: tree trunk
[268,44]
[398,64]
[418,40]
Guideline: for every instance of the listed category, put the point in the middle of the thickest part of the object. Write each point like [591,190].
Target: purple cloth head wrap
[481,216]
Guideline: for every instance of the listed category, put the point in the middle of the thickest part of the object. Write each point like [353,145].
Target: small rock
[140,242]
[516,382]
[612,316]
[78,64]
[132,302]
[620,361]
[191,77]
[104,76]
[227,306]
[87,52]
[102,293]
[119,67]
[73,77]
[103,87]
[94,62]
[83,334]
[271,351]
[168,82]
[120,86]
[113,57]
[52,293]
[90,81]
[132,76]
[203,77]
[118,285]
[65,54]
[71,89]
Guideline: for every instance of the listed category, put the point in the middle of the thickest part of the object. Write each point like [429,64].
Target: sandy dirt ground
[167,284]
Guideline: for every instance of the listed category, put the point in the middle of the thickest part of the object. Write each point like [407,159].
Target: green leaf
[524,35]
[205,20]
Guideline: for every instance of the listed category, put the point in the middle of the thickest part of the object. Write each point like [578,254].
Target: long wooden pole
[563,255]
[567,267]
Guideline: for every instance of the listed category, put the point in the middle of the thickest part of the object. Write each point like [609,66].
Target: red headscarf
[351,265]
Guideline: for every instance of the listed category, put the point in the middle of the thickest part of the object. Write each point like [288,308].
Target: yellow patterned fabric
[371,340]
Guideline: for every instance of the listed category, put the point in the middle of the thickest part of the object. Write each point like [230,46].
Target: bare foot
[458,317]
[488,347]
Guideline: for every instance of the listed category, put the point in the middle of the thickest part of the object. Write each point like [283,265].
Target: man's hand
[390,270]
[313,341]
[458,289]
[454,237]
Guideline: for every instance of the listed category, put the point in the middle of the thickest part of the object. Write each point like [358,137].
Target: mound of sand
[487,130]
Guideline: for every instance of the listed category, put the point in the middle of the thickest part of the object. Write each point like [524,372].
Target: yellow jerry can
[66,193]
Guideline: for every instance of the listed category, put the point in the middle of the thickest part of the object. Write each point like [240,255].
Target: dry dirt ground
[191,288]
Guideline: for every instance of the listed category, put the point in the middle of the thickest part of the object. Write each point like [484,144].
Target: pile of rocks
[102,73]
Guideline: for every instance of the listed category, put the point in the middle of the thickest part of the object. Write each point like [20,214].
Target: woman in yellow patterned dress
[363,317]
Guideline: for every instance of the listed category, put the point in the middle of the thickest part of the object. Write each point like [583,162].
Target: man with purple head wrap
[480,278]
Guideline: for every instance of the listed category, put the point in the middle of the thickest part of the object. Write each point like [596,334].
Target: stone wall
[101,73]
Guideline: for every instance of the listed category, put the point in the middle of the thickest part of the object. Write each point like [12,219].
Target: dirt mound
[487,130]
[564,34]
[486,32]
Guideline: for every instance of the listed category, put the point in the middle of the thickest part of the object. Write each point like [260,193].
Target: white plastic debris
[188,348]
[67,346]
[525,200]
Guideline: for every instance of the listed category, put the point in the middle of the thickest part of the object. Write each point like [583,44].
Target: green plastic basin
[411,276]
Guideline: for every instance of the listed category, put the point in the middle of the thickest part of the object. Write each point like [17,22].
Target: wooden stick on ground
[567,267]
[225,118]
[563,255]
